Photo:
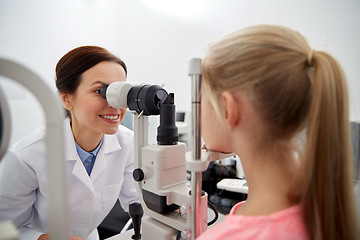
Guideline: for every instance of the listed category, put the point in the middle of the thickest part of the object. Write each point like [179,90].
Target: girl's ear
[66,100]
[232,110]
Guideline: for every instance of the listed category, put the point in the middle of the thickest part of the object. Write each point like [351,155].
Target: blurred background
[156,39]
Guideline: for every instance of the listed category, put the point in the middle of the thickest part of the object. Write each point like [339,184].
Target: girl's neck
[269,178]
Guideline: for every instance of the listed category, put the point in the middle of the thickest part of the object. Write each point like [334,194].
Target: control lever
[136,212]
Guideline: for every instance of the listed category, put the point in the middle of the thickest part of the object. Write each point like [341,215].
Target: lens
[161,95]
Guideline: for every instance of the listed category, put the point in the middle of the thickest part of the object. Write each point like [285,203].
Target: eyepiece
[145,99]
[103,91]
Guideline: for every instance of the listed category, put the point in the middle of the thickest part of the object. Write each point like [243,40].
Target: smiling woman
[91,115]
[99,153]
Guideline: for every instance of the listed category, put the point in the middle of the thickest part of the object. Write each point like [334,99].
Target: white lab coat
[24,189]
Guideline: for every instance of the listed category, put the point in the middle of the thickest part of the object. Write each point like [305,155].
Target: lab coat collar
[70,147]
[110,145]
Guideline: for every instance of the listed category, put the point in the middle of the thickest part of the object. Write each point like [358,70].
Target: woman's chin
[111,131]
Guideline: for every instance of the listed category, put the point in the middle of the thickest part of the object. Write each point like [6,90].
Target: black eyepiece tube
[167,131]
[103,91]
[146,99]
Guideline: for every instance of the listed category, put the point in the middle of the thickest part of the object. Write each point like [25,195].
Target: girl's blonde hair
[295,88]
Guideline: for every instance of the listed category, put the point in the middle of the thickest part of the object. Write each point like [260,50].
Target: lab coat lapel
[73,158]
[110,145]
[100,164]
[79,171]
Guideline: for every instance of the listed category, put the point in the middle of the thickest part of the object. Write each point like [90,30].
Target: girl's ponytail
[325,171]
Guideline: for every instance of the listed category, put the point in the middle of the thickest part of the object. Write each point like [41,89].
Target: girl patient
[262,88]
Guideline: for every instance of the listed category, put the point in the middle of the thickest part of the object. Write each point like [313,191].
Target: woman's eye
[97,91]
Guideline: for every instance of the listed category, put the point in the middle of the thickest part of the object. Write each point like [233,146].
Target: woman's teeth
[110,117]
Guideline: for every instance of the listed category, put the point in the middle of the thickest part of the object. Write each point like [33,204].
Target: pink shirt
[283,225]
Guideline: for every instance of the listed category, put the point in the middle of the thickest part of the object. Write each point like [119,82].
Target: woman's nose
[108,105]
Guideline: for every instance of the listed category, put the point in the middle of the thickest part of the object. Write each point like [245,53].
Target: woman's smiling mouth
[111,117]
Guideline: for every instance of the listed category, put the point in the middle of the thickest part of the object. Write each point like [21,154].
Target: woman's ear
[66,100]
[232,109]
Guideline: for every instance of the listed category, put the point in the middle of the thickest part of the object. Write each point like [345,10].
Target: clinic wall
[157,44]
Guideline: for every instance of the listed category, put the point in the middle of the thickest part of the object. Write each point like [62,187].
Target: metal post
[196,177]
[140,137]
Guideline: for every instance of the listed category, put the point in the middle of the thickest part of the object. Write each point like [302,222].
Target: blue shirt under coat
[88,158]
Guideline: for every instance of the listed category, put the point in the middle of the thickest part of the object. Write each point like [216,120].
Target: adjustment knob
[138,175]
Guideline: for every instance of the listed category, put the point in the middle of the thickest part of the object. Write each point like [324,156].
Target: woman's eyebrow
[99,82]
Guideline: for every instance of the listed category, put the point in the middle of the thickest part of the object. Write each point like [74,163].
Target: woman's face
[91,115]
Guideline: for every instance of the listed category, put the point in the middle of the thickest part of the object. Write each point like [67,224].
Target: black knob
[138,175]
